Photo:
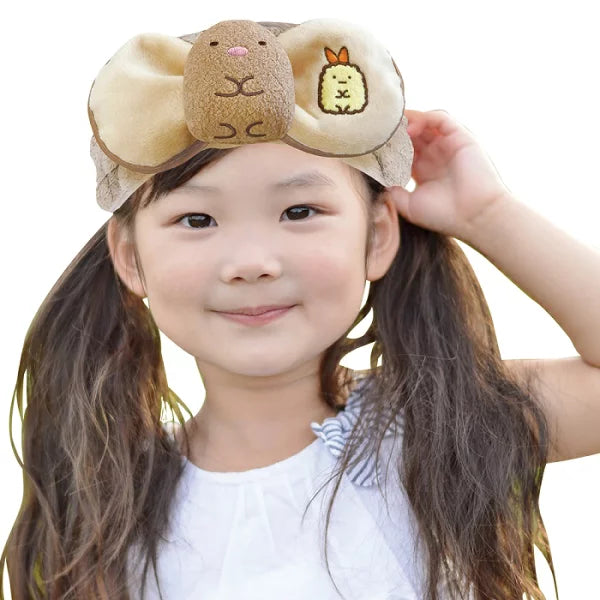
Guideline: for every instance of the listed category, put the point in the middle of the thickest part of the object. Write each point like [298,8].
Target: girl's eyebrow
[305,179]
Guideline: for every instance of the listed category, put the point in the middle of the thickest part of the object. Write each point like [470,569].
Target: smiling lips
[257,319]
[257,310]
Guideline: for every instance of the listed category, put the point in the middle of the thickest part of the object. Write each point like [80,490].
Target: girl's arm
[563,276]
[460,193]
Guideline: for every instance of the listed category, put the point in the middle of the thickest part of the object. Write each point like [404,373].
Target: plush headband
[325,86]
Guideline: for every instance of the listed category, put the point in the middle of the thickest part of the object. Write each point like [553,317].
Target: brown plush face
[238,85]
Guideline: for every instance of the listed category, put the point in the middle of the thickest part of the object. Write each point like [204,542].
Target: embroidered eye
[262,43]
[214,43]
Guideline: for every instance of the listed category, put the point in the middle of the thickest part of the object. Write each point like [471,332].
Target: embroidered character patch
[342,85]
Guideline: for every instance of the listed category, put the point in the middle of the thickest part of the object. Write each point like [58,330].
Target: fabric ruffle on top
[335,431]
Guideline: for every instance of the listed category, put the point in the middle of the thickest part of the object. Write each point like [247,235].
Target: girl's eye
[302,208]
[206,218]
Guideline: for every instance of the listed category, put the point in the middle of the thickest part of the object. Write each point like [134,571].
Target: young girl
[431,461]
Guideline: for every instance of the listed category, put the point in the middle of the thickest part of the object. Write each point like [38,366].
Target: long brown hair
[100,473]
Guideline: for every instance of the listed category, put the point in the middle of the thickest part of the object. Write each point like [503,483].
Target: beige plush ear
[349,94]
[135,104]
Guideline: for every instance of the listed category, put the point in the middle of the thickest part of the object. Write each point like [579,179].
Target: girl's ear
[386,237]
[123,258]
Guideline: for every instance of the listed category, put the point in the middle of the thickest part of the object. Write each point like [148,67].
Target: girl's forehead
[278,181]
[272,162]
[273,173]
[268,169]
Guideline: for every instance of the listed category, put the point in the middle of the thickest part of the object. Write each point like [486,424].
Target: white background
[522,76]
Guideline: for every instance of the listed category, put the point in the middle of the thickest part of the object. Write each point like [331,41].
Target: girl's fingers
[421,139]
[418,143]
[437,119]
[428,135]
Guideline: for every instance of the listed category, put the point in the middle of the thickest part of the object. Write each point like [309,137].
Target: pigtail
[475,441]
[98,469]
[474,444]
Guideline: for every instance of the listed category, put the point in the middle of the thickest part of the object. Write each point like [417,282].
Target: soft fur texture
[325,86]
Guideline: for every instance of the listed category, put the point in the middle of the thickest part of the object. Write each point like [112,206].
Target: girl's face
[245,246]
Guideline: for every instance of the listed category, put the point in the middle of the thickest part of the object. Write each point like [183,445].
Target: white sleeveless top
[239,534]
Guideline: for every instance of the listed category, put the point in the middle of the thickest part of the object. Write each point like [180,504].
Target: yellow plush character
[342,85]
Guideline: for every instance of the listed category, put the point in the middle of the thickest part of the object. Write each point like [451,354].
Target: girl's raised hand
[455,180]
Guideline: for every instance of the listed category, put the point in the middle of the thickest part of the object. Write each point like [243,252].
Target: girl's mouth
[261,319]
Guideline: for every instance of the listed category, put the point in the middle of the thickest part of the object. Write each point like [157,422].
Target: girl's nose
[237,51]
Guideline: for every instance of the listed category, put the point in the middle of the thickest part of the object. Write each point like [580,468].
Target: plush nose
[237,51]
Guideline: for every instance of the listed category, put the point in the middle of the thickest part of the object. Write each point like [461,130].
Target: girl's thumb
[400,197]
